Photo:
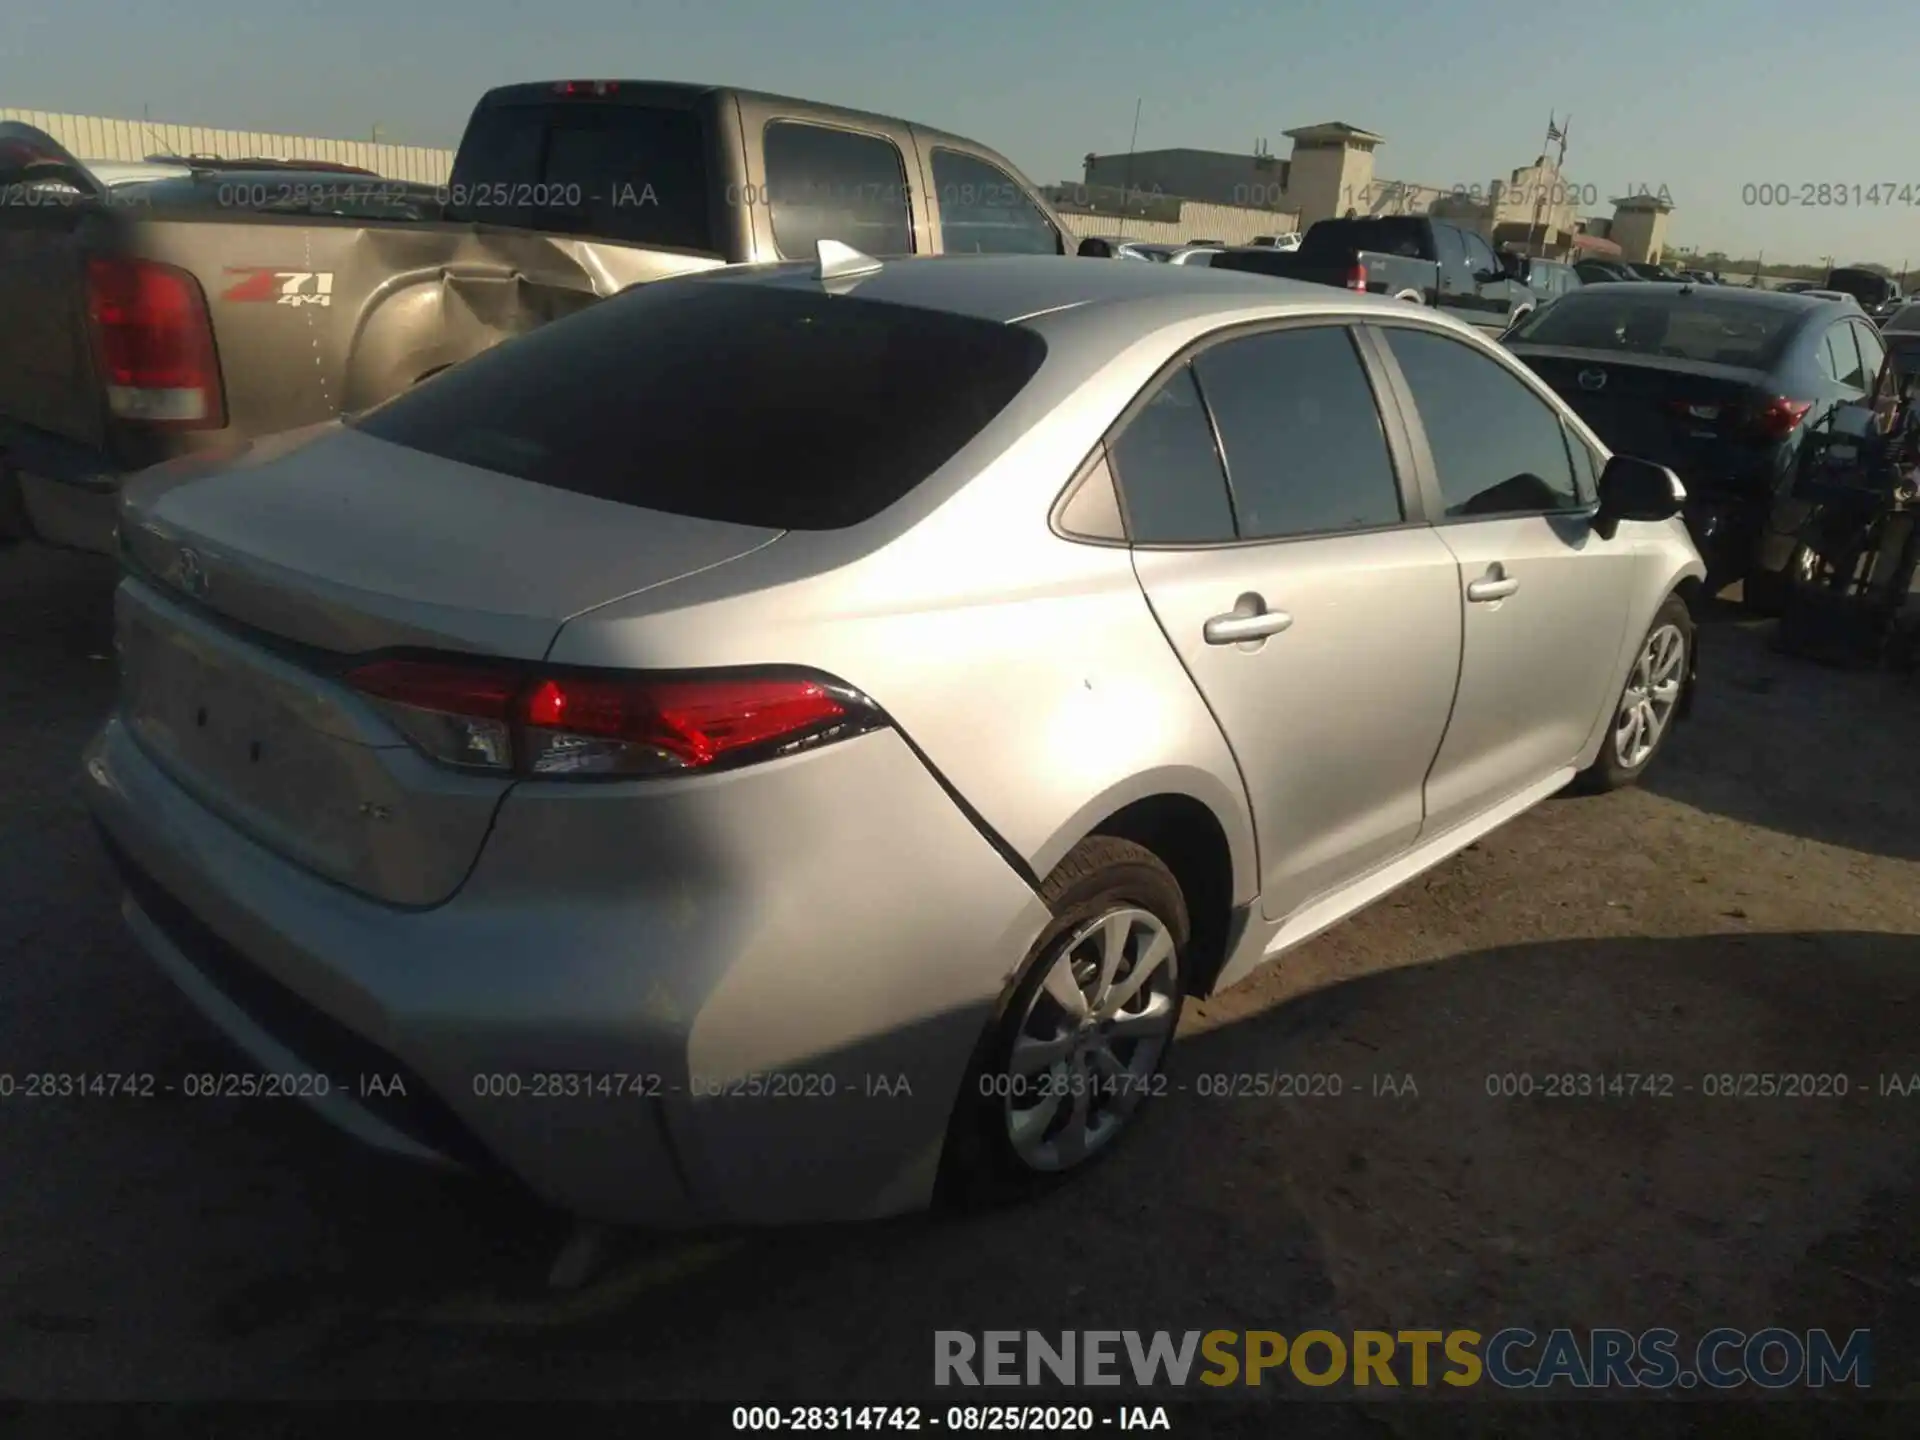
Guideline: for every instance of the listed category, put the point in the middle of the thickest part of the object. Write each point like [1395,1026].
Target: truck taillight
[1357,278]
[155,342]
[586,87]
[608,725]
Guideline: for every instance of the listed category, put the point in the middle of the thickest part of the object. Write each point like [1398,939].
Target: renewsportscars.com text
[1511,1359]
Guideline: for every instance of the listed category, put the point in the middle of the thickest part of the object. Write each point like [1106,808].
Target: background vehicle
[1289,241]
[1550,279]
[1723,385]
[1793,287]
[1194,255]
[1879,295]
[211,316]
[1407,257]
[1114,247]
[533,638]
[1700,277]
[1840,297]
[1654,272]
[1604,272]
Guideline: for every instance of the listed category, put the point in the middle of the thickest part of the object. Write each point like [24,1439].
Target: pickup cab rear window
[753,404]
[631,173]
[1337,238]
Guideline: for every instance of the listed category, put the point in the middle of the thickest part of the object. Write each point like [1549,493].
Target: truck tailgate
[47,376]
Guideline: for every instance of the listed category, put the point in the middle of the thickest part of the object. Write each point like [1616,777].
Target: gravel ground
[1754,909]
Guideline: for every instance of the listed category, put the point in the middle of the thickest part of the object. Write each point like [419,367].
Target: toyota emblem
[1593,379]
[189,573]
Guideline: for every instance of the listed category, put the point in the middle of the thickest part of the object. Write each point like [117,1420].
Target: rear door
[1313,607]
[1544,599]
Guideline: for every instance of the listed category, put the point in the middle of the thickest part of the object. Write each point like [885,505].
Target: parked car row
[1728,387]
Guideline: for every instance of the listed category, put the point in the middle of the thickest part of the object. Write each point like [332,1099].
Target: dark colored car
[1879,295]
[1604,272]
[1655,272]
[1410,257]
[1723,385]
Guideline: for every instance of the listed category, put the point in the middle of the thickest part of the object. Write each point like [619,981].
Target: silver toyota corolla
[782,745]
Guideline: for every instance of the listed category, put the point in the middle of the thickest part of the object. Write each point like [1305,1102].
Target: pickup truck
[1428,262]
[142,327]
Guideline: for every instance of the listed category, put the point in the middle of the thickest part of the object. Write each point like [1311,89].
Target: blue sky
[1705,101]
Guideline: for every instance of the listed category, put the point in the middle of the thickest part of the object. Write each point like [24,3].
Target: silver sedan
[785,744]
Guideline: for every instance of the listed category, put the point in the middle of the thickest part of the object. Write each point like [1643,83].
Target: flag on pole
[1554,132]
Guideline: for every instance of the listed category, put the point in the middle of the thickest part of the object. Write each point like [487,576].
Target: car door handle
[1237,628]
[1496,584]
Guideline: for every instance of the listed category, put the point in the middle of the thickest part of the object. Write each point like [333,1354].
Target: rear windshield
[1656,320]
[350,197]
[632,173]
[747,403]
[1332,238]
[1863,285]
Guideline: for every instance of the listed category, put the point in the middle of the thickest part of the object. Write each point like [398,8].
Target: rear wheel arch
[1188,838]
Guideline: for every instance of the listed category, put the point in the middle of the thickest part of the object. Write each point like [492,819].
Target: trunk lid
[1689,415]
[332,539]
[254,585]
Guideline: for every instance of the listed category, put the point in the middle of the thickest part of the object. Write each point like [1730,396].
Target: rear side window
[635,173]
[825,184]
[1171,483]
[1843,357]
[1306,453]
[752,404]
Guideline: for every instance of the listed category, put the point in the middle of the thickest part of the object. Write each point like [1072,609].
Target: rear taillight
[1777,417]
[596,724]
[586,87]
[1357,278]
[155,343]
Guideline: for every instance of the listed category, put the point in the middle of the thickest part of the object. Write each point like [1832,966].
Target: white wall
[93,137]
[1230,224]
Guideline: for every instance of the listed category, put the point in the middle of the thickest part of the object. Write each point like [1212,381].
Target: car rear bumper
[749,998]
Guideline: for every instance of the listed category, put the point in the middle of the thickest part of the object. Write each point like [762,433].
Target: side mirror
[1094,248]
[1488,277]
[1633,489]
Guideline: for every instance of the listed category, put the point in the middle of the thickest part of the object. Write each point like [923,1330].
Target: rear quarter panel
[1027,668]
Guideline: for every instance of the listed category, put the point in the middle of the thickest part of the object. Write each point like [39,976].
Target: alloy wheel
[1090,1043]
[1653,690]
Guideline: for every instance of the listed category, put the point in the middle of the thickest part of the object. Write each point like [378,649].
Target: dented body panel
[318,315]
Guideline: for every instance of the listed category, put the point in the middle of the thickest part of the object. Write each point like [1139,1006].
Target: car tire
[1764,592]
[1623,759]
[1018,1125]
[14,524]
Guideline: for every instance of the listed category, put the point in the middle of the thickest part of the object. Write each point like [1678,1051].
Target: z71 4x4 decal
[282,287]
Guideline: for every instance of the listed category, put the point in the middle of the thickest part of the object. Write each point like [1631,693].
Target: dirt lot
[1755,909]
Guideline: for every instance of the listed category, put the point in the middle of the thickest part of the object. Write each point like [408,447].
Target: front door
[1319,623]
[1543,599]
